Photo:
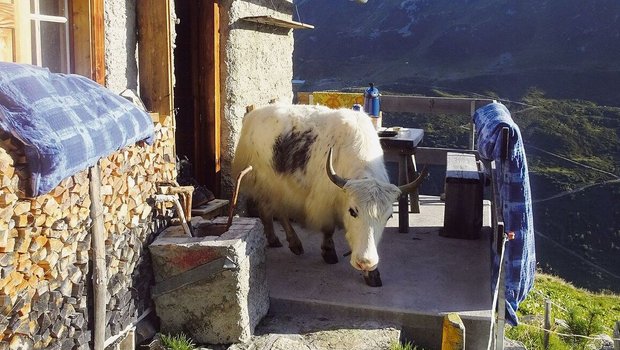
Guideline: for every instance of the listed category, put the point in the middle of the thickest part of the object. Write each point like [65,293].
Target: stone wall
[45,263]
[257,66]
[120,45]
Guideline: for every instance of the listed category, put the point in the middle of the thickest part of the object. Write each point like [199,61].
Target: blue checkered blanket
[66,122]
[513,184]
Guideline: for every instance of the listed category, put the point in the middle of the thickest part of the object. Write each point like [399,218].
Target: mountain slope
[560,46]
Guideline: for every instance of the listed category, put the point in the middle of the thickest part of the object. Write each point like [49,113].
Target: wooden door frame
[155,56]
[207,118]
[87,39]
[156,67]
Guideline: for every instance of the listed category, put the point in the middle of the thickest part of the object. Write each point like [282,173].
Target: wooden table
[401,149]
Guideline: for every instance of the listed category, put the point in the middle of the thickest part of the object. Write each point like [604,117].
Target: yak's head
[368,208]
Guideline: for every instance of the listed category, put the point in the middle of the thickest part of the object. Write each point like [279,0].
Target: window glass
[53,46]
[50,37]
[49,7]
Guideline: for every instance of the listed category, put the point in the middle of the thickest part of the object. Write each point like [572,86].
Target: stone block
[214,288]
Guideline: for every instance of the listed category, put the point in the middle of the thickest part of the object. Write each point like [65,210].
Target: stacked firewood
[129,179]
[45,245]
[44,264]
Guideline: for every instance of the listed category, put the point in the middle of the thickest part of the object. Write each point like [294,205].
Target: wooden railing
[436,106]
[421,105]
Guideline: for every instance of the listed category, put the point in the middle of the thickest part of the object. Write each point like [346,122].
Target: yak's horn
[412,186]
[337,180]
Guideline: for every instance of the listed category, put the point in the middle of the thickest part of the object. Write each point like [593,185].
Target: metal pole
[472,131]
[501,306]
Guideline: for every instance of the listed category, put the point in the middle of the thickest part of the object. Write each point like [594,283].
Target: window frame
[87,39]
[86,35]
[36,19]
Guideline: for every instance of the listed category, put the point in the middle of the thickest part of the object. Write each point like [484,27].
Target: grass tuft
[404,346]
[177,342]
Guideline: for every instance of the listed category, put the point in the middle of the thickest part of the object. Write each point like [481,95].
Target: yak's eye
[352,212]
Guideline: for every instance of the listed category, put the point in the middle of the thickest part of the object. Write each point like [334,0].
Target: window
[50,34]
[64,35]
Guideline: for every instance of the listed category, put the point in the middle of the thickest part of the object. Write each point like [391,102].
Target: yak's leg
[328,250]
[267,220]
[294,244]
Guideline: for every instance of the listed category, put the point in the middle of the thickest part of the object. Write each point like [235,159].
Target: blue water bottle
[371,101]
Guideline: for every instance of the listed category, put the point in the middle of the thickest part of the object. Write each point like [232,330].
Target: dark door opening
[196,90]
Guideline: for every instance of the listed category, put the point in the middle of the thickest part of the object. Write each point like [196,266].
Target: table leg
[403,207]
[412,172]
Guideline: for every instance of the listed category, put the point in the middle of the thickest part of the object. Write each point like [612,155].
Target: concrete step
[425,276]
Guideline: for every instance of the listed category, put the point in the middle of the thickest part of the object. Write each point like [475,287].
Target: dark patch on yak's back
[291,151]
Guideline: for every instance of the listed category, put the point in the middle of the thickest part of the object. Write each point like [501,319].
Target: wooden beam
[207,114]
[430,105]
[80,38]
[617,336]
[23,34]
[15,31]
[99,263]
[87,39]
[97,46]
[7,32]
[278,22]
[155,55]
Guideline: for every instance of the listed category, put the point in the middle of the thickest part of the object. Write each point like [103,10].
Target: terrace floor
[424,277]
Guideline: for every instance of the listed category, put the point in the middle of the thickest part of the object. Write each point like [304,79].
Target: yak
[324,169]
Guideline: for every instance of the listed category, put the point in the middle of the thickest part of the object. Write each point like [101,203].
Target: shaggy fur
[301,190]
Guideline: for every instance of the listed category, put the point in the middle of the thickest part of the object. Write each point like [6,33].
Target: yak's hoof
[330,256]
[373,278]
[274,243]
[297,250]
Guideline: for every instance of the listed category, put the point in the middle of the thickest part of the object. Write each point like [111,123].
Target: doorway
[197,89]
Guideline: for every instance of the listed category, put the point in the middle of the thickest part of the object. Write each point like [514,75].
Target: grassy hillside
[574,152]
[573,311]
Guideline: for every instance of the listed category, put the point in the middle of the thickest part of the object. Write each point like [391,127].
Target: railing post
[617,336]
[472,131]
[547,323]
[453,332]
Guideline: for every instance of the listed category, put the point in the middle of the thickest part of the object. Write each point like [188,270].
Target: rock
[510,344]
[603,342]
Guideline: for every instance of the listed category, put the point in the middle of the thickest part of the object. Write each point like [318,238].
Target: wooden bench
[463,191]
[214,208]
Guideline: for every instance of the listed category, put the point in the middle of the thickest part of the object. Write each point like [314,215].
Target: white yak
[294,150]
